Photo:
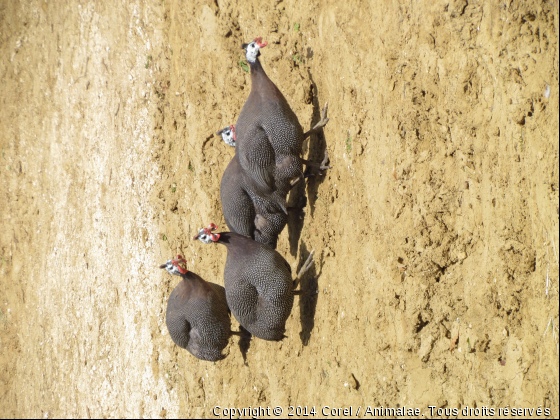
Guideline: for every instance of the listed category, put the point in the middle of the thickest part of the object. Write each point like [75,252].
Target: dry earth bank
[436,231]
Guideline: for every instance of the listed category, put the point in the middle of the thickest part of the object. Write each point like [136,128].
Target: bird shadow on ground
[244,343]
[316,145]
[308,301]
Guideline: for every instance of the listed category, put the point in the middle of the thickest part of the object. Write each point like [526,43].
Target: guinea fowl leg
[306,266]
[294,182]
[324,120]
[323,166]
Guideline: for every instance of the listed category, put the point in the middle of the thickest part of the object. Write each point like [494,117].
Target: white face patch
[171,269]
[252,52]
[228,137]
[204,237]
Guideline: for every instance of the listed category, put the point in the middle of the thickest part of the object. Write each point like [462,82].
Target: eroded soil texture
[435,232]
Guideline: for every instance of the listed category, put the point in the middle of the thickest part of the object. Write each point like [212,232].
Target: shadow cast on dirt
[244,343]
[308,301]
[317,146]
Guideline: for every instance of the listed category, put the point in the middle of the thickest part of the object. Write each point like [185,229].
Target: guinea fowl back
[245,212]
[259,286]
[237,206]
[258,282]
[266,107]
[197,316]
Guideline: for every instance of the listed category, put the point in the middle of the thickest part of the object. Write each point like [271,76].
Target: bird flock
[259,286]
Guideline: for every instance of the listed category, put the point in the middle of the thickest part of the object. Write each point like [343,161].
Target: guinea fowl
[197,314]
[269,137]
[244,211]
[259,284]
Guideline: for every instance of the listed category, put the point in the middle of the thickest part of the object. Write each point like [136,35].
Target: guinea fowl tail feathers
[274,203]
[260,179]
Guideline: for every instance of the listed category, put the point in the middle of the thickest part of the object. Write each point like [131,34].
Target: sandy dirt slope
[436,231]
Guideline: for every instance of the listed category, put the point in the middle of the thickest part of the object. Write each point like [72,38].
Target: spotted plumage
[245,212]
[197,314]
[268,140]
[268,224]
[269,137]
[258,281]
[239,211]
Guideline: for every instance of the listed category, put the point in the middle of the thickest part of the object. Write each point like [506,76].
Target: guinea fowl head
[206,236]
[174,266]
[228,135]
[253,48]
